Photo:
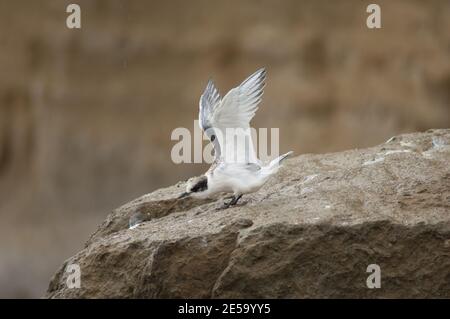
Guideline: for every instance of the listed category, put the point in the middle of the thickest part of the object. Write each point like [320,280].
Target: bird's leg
[232,202]
[235,200]
[227,205]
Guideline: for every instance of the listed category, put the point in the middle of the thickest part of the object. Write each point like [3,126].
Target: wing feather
[209,101]
[240,104]
[235,110]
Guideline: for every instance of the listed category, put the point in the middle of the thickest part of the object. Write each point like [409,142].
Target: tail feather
[277,162]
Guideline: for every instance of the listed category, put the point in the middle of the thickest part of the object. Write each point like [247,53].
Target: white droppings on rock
[396,152]
[306,190]
[374,161]
[427,154]
[438,145]
[390,140]
[438,142]
[309,178]
[407,144]
[381,158]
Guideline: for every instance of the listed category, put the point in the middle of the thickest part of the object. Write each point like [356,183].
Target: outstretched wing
[209,102]
[240,104]
[234,111]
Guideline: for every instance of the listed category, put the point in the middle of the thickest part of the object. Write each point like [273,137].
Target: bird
[236,168]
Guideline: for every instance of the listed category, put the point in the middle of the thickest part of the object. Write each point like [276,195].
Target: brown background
[86,115]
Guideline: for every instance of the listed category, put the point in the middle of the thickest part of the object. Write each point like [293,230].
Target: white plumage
[226,122]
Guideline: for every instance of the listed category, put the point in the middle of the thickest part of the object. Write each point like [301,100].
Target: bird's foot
[234,200]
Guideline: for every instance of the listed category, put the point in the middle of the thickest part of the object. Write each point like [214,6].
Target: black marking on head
[200,186]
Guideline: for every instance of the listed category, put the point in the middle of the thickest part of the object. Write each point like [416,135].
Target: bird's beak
[185,194]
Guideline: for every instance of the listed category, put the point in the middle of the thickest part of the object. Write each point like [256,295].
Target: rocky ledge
[311,232]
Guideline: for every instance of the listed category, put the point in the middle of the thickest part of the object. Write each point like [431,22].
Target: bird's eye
[213,137]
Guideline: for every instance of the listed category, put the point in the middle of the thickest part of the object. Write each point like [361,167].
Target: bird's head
[195,186]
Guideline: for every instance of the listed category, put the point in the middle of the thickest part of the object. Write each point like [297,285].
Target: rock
[311,232]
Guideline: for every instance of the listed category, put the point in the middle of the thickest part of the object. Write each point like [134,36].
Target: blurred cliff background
[86,115]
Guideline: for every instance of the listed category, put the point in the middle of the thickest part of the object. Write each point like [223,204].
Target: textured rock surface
[310,232]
